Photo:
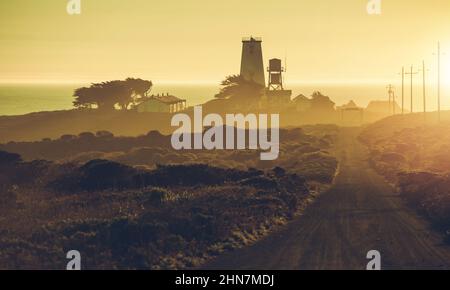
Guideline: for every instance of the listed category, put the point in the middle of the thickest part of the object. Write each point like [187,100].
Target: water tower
[275,91]
[252,67]
[275,74]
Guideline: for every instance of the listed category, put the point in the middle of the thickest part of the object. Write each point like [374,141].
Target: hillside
[414,155]
[44,125]
[37,126]
[135,203]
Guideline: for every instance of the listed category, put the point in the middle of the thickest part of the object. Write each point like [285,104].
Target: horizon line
[191,82]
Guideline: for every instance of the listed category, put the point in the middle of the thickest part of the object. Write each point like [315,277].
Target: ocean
[27,98]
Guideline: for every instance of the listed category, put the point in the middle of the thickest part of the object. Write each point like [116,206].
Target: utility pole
[424,70]
[412,73]
[439,54]
[403,90]
[391,98]
[439,82]
[394,103]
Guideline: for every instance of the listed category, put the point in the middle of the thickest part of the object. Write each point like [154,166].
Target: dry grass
[417,161]
[167,220]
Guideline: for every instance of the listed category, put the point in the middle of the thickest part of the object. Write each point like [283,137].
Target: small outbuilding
[164,103]
[302,103]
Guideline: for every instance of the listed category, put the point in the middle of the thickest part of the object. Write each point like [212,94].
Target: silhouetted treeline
[108,95]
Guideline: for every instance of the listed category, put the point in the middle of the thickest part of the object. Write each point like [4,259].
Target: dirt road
[359,213]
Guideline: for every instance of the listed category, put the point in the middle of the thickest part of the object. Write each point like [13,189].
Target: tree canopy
[108,95]
[236,87]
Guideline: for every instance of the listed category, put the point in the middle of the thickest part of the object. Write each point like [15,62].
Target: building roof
[350,105]
[301,98]
[252,39]
[166,99]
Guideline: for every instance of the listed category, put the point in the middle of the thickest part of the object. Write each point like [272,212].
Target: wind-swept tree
[140,88]
[116,93]
[85,98]
[104,95]
[108,95]
[237,88]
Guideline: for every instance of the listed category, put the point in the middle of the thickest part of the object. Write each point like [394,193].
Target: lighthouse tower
[252,67]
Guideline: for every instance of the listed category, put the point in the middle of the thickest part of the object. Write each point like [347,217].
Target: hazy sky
[200,40]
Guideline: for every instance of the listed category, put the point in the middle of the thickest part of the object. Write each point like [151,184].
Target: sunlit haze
[199,40]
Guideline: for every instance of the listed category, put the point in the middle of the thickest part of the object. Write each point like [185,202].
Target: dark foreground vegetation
[416,160]
[134,203]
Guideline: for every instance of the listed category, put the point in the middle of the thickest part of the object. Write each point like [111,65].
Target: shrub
[430,194]
[8,159]
[103,174]
[67,138]
[278,171]
[104,134]
[261,182]
[392,157]
[8,198]
[156,196]
[86,136]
